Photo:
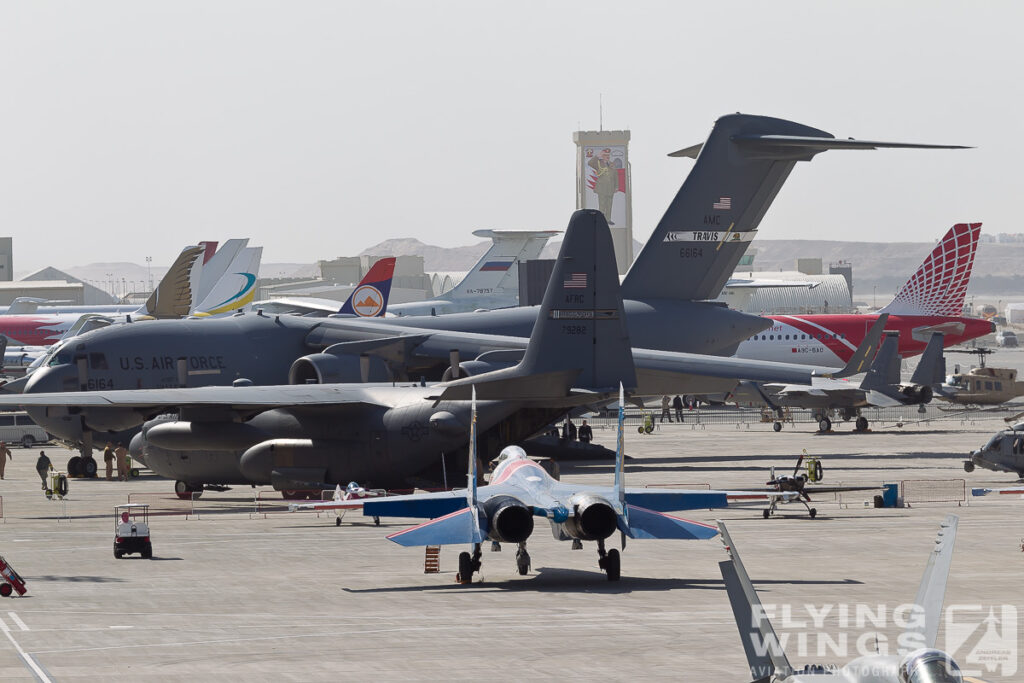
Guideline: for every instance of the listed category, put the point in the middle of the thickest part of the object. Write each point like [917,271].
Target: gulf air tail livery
[931,301]
[370,297]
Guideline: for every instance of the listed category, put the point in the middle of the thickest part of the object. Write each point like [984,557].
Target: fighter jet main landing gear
[468,565]
[824,425]
[609,561]
[777,426]
[861,424]
[968,466]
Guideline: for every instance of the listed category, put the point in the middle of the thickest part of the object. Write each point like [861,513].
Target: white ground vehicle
[1006,338]
[131,530]
[19,428]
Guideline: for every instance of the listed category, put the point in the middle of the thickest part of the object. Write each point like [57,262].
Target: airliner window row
[796,337]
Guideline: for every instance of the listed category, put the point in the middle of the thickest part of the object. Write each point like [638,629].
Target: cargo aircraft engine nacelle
[591,519]
[329,368]
[509,521]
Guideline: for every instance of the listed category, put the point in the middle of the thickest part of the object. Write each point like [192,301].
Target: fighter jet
[793,488]
[520,489]
[880,387]
[768,661]
[689,256]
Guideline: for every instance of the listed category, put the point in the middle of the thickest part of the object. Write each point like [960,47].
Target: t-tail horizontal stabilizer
[746,159]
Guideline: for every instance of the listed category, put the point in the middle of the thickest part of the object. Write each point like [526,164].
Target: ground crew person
[586,433]
[108,460]
[122,462]
[665,403]
[677,404]
[43,467]
[5,453]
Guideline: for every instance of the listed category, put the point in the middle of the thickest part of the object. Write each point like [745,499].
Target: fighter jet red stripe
[433,521]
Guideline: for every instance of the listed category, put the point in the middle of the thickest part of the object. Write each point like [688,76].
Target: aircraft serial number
[95,384]
[574,329]
[691,252]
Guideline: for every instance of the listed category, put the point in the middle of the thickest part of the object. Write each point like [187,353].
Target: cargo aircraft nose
[52,378]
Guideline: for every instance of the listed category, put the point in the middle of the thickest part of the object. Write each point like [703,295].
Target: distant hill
[887,265]
[434,258]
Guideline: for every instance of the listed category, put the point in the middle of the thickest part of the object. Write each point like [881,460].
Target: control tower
[603,182]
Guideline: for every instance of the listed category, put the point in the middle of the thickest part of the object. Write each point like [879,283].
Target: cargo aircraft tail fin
[706,229]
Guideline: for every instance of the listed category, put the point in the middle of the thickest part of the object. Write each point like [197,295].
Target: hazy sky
[130,128]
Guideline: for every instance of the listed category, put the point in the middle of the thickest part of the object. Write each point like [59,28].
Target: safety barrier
[933,491]
[703,486]
[167,503]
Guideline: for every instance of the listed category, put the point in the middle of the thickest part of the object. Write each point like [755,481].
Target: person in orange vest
[122,462]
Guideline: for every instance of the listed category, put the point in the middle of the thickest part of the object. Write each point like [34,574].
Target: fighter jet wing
[236,398]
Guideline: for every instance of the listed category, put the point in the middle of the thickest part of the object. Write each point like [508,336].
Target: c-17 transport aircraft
[520,489]
[925,664]
[690,255]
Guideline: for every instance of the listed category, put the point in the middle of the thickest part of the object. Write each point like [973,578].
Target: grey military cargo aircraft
[690,255]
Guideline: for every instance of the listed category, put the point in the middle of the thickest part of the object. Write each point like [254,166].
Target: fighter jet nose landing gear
[522,560]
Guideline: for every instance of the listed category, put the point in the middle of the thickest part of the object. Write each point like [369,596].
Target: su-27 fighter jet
[520,490]
[691,253]
[880,386]
[925,664]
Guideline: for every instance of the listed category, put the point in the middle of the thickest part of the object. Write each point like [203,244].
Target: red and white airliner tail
[931,301]
[940,284]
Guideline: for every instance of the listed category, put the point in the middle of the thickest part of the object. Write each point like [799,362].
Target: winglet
[866,351]
[760,643]
[932,591]
[370,297]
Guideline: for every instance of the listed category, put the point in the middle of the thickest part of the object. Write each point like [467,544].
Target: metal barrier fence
[933,491]
[166,503]
[708,415]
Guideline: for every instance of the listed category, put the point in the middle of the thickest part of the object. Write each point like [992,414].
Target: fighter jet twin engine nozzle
[918,394]
[509,520]
[593,519]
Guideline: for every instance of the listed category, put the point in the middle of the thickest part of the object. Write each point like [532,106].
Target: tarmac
[241,591]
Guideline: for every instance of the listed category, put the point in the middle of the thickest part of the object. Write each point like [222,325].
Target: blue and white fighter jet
[520,490]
